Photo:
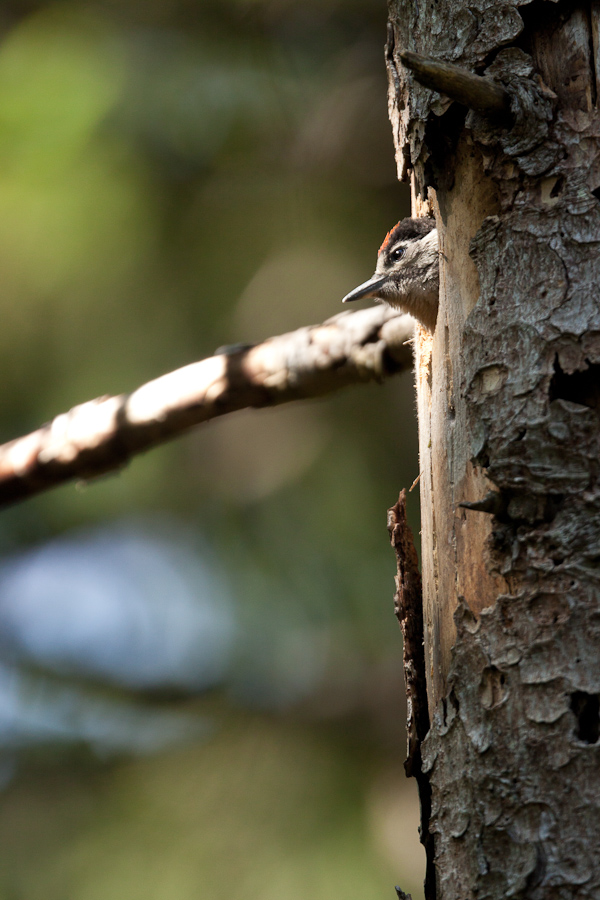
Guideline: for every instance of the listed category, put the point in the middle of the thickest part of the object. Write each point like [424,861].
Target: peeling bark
[509,401]
[408,603]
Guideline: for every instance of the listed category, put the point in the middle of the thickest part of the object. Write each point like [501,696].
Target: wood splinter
[408,602]
[474,91]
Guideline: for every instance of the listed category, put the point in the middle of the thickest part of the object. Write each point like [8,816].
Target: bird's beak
[368,289]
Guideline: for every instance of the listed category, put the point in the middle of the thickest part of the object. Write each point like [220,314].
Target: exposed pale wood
[420,206]
[453,539]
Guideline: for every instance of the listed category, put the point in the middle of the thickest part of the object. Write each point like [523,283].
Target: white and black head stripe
[405,232]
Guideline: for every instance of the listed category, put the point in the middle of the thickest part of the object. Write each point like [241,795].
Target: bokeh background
[200,672]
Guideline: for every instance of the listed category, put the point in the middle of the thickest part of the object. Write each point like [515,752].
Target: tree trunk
[509,401]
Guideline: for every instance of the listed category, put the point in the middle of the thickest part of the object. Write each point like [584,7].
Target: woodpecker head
[407,271]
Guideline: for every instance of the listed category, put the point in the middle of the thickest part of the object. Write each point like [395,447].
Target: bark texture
[509,400]
[408,603]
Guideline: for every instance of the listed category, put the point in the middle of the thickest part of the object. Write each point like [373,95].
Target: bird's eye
[396,254]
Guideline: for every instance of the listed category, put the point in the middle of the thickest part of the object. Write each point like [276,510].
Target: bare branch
[475,91]
[103,434]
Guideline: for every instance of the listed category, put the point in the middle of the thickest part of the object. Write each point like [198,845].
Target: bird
[407,272]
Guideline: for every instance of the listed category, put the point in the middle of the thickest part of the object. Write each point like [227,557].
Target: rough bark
[509,399]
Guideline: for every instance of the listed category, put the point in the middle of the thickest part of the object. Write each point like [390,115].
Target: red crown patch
[386,240]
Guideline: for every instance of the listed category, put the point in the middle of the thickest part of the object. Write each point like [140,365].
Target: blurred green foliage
[175,176]
[282,815]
